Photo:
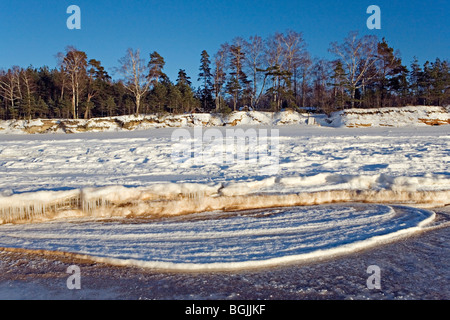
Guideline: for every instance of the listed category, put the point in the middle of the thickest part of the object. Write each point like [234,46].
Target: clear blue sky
[33,31]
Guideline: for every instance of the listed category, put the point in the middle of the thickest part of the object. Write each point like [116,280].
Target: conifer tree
[183,78]
[188,102]
[205,76]
[414,81]
[339,83]
[439,82]
[237,83]
[98,78]
[389,67]
[156,66]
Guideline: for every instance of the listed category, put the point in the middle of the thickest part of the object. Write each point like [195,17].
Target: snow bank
[145,122]
[391,117]
[171,199]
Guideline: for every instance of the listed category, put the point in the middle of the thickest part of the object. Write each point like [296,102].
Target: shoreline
[414,268]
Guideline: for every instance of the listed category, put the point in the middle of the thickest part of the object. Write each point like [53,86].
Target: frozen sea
[391,185]
[414,268]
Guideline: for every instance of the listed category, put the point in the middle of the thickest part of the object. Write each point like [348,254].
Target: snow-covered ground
[383,117]
[310,159]
[135,174]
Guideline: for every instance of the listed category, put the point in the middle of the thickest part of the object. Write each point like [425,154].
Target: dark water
[414,268]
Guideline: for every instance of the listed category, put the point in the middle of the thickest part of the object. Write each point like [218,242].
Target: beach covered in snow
[48,180]
[383,117]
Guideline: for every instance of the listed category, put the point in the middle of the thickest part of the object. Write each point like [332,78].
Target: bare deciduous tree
[135,75]
[254,62]
[30,88]
[358,56]
[219,73]
[74,64]
[10,87]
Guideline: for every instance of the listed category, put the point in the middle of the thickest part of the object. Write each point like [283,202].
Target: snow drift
[171,199]
[387,117]
[391,117]
[144,122]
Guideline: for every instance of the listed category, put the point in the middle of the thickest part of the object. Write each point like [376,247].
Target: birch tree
[358,56]
[275,60]
[73,65]
[28,103]
[254,62]
[136,77]
[10,89]
[219,74]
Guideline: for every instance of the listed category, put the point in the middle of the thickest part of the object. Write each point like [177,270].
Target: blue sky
[33,31]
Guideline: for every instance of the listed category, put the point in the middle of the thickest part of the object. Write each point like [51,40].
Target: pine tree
[111,107]
[339,83]
[98,80]
[158,97]
[156,66]
[439,82]
[183,78]
[188,102]
[205,75]
[237,83]
[174,98]
[414,81]
[425,83]
[400,86]
[389,67]
[279,89]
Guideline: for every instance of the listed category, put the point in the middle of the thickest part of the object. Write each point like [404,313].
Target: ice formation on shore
[222,241]
[169,199]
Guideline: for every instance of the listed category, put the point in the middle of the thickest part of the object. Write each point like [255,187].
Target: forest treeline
[255,73]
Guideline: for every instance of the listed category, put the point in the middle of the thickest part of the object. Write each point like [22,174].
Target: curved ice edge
[429,217]
[306,257]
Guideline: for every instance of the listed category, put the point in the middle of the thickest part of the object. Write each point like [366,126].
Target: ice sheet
[223,241]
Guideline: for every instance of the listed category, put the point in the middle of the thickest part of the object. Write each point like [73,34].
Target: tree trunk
[88,110]
[138,105]
[74,113]
[353,97]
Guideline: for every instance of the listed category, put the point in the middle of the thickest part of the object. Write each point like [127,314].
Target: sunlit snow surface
[214,240]
[36,170]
